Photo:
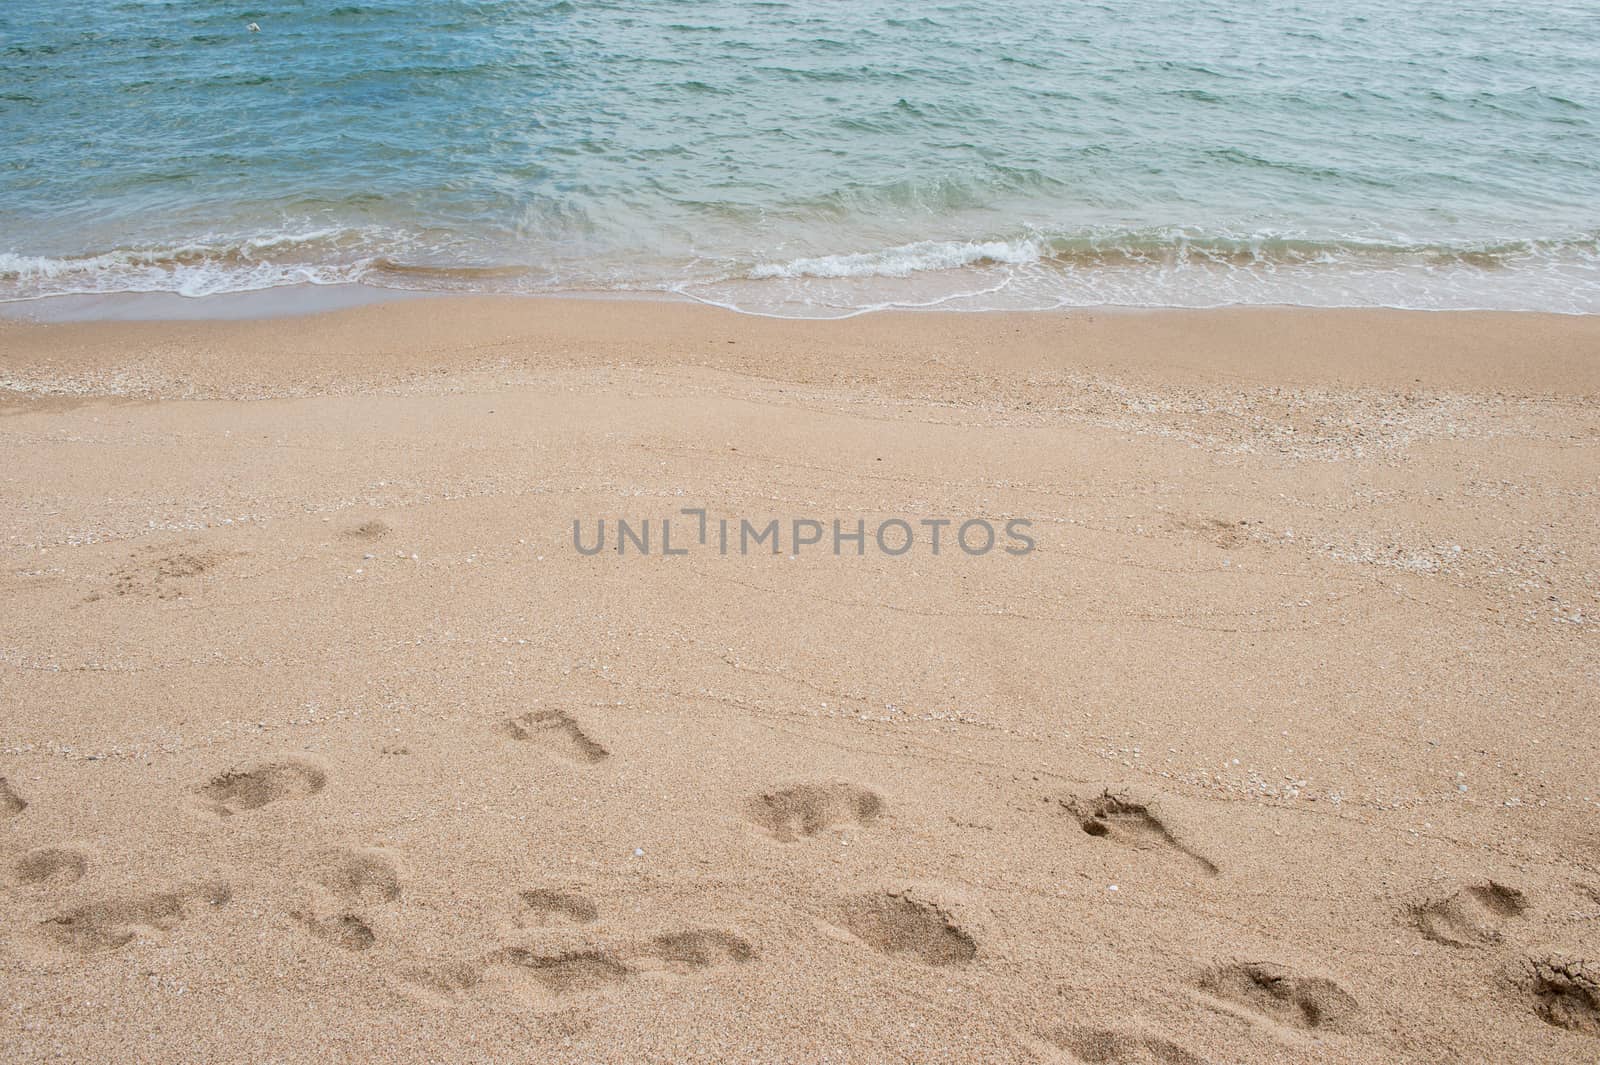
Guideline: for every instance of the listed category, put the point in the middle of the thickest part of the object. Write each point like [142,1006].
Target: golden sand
[320,741]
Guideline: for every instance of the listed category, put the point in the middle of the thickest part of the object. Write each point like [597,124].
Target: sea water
[812,157]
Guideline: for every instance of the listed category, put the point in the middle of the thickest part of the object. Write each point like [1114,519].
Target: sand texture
[320,741]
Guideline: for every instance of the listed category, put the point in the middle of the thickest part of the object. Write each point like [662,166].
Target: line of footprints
[347,884]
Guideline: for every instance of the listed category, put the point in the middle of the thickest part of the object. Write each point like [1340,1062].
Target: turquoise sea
[810,157]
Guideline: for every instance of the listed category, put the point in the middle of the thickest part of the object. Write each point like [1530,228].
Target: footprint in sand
[55,867]
[698,949]
[11,804]
[582,971]
[895,923]
[359,876]
[1281,995]
[161,573]
[1564,991]
[571,972]
[806,809]
[346,930]
[352,878]
[239,790]
[1131,823]
[114,923]
[1108,1046]
[368,530]
[450,978]
[565,973]
[556,731]
[1470,917]
[1224,532]
[541,906]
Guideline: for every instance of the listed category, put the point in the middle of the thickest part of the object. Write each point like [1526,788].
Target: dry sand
[321,742]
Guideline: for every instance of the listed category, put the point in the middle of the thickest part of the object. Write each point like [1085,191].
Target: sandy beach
[321,740]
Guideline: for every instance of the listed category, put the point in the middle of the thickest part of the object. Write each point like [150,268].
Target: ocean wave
[1171,248]
[1029,270]
[202,267]
[905,260]
[1174,268]
[32,278]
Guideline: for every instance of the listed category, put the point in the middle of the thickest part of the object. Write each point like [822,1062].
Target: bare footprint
[368,530]
[1565,992]
[50,866]
[567,973]
[113,923]
[528,979]
[1108,1046]
[345,930]
[1130,823]
[1279,994]
[524,971]
[542,906]
[588,969]
[11,804]
[359,877]
[1225,533]
[806,809]
[450,979]
[239,790]
[897,924]
[698,949]
[556,731]
[352,877]
[1470,917]
[163,573]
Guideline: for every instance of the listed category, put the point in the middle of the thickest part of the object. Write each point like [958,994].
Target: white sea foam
[1029,272]
[193,268]
[905,260]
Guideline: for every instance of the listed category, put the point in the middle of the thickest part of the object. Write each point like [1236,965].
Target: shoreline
[293,301]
